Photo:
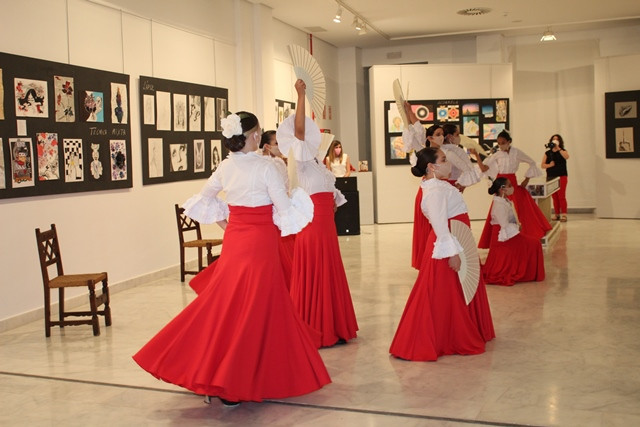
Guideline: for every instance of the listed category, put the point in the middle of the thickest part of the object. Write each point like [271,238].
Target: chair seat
[201,243]
[70,280]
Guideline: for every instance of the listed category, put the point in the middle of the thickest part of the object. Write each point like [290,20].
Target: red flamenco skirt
[240,339]
[534,224]
[421,230]
[436,321]
[519,259]
[319,288]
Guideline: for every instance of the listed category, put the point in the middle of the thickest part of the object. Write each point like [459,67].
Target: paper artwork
[501,110]
[48,163]
[65,104]
[209,114]
[118,150]
[73,166]
[178,157]
[179,112]
[149,110]
[119,103]
[625,110]
[31,98]
[198,155]
[156,163]
[21,127]
[2,168]
[490,131]
[92,108]
[21,162]
[96,164]
[471,126]
[163,100]
[624,140]
[216,151]
[194,113]
[1,106]
[395,120]
[221,110]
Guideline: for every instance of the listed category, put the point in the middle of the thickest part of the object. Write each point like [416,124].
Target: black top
[560,168]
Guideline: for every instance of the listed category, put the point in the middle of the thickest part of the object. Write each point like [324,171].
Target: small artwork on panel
[471,126]
[395,123]
[209,114]
[625,110]
[178,154]
[149,117]
[198,155]
[179,112]
[92,109]
[501,110]
[21,162]
[194,113]
[280,114]
[48,164]
[31,98]
[119,103]
[424,113]
[472,109]
[96,163]
[288,110]
[118,153]
[624,140]
[73,166]
[163,100]
[221,112]
[396,145]
[216,153]
[64,99]
[490,131]
[1,107]
[487,111]
[156,162]
[2,168]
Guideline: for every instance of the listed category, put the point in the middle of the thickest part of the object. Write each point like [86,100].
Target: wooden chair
[186,225]
[49,250]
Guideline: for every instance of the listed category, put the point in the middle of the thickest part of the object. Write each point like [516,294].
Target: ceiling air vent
[474,11]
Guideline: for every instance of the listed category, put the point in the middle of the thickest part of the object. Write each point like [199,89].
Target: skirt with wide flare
[319,288]
[240,339]
[533,222]
[518,259]
[436,321]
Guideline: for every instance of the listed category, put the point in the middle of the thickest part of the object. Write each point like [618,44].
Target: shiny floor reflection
[567,351]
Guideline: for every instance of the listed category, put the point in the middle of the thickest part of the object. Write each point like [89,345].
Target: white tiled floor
[567,351]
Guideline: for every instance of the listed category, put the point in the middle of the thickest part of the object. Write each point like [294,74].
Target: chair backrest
[49,251]
[186,224]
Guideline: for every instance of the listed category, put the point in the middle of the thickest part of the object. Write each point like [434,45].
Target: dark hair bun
[497,184]
[416,171]
[235,143]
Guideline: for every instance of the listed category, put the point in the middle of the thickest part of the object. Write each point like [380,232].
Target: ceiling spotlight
[363,30]
[356,24]
[548,36]
[338,18]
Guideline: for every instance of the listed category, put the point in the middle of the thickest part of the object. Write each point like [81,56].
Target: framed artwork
[480,119]
[283,110]
[56,124]
[180,125]
[622,124]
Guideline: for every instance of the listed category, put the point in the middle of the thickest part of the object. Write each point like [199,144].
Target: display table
[541,193]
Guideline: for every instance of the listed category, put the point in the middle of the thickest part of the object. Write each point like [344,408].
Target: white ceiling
[402,21]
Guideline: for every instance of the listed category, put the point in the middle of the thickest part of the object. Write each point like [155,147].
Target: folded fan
[400,100]
[470,143]
[306,68]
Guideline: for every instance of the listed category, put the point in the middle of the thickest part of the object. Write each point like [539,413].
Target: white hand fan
[327,139]
[306,68]
[470,143]
[400,100]
[469,272]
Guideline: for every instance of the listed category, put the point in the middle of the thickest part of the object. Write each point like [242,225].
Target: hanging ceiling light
[356,24]
[338,18]
[548,36]
[363,30]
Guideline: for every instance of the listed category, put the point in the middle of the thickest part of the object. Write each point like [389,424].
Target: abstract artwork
[96,164]
[149,117]
[92,108]
[221,112]
[216,149]
[490,131]
[119,103]
[471,126]
[2,174]
[179,112]
[178,154]
[194,113]
[156,163]
[501,110]
[31,98]
[118,153]
[198,155]
[209,114]
[21,162]
[73,166]
[163,100]
[1,106]
[48,163]
[64,99]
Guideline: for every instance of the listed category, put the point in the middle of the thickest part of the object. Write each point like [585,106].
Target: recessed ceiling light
[474,11]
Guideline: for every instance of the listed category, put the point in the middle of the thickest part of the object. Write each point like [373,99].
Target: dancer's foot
[229,403]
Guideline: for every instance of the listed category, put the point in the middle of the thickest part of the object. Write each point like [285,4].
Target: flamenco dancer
[513,257]
[436,321]
[319,288]
[241,338]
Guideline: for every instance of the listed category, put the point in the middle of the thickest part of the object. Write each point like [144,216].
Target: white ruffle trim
[302,150]
[470,177]
[299,214]
[533,172]
[206,210]
[339,198]
[508,232]
[446,247]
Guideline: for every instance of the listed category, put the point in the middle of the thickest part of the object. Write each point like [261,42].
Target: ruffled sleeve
[297,215]
[508,231]
[434,206]
[533,170]
[206,207]
[302,150]
[492,164]
[500,215]
[339,198]
[460,159]
[414,137]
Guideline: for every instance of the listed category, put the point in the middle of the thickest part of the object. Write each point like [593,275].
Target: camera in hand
[550,145]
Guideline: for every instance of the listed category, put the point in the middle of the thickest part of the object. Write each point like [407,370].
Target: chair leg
[182,264]
[47,312]
[107,308]
[94,310]
[61,306]
[209,254]
[199,258]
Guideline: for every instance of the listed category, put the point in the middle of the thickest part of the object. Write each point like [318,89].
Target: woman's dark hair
[266,137]
[504,134]
[449,129]
[425,156]
[498,183]
[560,140]
[248,121]
[430,131]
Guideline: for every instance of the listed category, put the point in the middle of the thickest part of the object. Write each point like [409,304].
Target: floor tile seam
[275,402]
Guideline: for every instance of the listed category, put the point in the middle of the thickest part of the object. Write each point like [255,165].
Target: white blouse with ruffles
[507,162]
[313,176]
[504,215]
[441,201]
[251,180]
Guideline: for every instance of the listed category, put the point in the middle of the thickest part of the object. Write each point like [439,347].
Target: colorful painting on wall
[64,99]
[48,165]
[118,150]
[92,109]
[21,162]
[119,103]
[31,98]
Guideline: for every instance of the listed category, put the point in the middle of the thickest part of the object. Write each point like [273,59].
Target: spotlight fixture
[338,18]
[363,30]
[356,24]
[548,36]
